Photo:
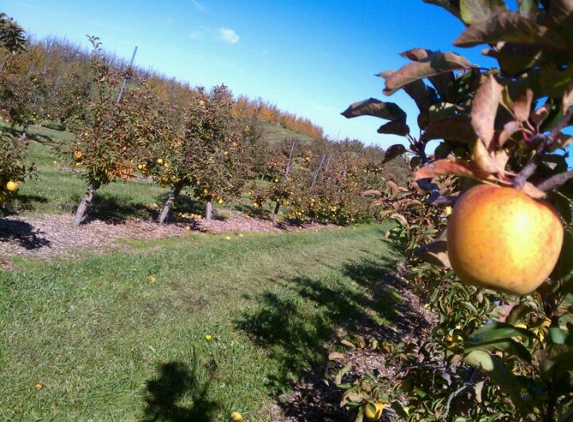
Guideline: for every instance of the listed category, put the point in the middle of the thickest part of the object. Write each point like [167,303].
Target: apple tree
[492,355]
[109,130]
[13,42]
[217,141]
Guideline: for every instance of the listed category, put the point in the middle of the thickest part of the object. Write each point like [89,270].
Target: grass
[276,134]
[122,336]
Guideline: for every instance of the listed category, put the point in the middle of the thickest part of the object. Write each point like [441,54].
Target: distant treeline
[55,56]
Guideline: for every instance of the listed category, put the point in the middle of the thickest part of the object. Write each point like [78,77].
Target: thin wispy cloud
[198,6]
[199,33]
[228,35]
[222,34]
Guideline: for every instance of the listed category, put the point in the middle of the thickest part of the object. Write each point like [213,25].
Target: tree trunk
[209,210]
[84,205]
[171,198]
[276,213]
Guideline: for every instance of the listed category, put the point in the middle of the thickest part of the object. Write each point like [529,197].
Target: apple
[373,411]
[12,186]
[236,417]
[502,239]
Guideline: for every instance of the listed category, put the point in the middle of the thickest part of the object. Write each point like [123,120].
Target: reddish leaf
[393,187]
[376,108]
[372,192]
[435,253]
[474,11]
[482,159]
[510,27]
[522,106]
[451,6]
[501,158]
[507,132]
[484,109]
[420,93]
[393,152]
[539,115]
[567,98]
[444,168]
[395,127]
[435,64]
[454,129]
[440,82]
[417,54]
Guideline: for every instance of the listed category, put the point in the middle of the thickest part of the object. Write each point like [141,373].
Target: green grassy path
[122,337]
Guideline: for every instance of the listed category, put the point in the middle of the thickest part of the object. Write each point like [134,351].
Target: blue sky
[309,58]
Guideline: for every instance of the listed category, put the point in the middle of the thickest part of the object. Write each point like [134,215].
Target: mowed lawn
[184,329]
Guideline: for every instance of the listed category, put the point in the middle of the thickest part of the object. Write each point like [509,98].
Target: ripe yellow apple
[12,186]
[373,411]
[160,161]
[236,417]
[502,239]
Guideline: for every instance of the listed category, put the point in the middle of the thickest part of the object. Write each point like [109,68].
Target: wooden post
[288,166]
[126,77]
[318,171]
[209,210]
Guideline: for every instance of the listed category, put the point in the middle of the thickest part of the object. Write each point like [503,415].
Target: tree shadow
[22,233]
[282,325]
[299,324]
[178,393]
[114,209]
[24,202]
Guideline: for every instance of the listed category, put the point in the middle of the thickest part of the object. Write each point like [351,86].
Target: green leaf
[564,268]
[500,336]
[474,11]
[376,108]
[528,8]
[399,409]
[498,373]
[517,313]
[558,335]
[555,363]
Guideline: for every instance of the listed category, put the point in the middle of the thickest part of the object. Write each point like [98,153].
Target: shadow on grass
[178,394]
[297,323]
[22,233]
[24,202]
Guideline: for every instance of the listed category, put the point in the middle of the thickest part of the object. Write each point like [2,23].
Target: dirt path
[53,235]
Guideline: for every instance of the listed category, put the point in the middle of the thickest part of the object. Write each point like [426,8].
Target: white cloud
[198,6]
[228,35]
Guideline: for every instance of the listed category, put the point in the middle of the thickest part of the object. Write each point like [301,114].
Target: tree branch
[545,141]
[554,181]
